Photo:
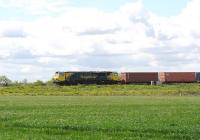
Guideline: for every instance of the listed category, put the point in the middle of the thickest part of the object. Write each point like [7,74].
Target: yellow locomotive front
[114,77]
[61,77]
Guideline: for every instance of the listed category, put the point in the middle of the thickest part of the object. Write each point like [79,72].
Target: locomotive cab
[59,76]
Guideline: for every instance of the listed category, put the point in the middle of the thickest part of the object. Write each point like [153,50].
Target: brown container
[139,77]
[177,77]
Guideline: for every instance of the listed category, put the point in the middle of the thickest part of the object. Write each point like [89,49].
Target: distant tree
[4,81]
[39,83]
[25,82]
[16,83]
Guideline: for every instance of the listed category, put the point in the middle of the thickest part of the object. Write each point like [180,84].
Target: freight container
[139,77]
[177,77]
[198,76]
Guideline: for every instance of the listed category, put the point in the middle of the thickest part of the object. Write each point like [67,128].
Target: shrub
[39,83]
[4,81]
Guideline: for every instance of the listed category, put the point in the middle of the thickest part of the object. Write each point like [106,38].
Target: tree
[25,82]
[4,81]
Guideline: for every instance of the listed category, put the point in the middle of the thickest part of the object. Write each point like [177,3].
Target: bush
[50,83]
[4,81]
[39,83]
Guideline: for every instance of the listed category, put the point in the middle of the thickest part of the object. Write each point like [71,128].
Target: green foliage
[99,118]
[50,83]
[39,88]
[39,83]
[4,81]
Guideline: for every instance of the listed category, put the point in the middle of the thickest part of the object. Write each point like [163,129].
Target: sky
[40,37]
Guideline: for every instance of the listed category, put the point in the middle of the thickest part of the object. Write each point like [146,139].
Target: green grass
[102,90]
[99,118]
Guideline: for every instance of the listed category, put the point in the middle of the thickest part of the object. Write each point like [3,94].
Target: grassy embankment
[101,90]
[97,118]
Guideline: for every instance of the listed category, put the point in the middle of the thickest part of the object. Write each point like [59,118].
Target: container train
[108,77]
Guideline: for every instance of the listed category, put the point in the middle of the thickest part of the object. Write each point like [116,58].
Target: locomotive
[82,77]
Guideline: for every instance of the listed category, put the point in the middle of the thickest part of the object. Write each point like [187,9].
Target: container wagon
[177,77]
[138,77]
[198,77]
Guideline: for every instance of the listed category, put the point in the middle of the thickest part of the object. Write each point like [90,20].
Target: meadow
[102,90]
[99,117]
[96,112]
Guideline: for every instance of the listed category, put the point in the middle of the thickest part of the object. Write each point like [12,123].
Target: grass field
[99,118]
[102,90]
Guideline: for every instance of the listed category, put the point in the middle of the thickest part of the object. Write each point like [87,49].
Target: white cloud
[129,39]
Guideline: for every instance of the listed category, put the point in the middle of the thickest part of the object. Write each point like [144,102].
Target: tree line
[5,81]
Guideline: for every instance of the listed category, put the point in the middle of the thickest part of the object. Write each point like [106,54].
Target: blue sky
[165,7]
[158,7]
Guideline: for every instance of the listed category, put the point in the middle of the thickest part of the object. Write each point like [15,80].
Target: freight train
[108,77]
